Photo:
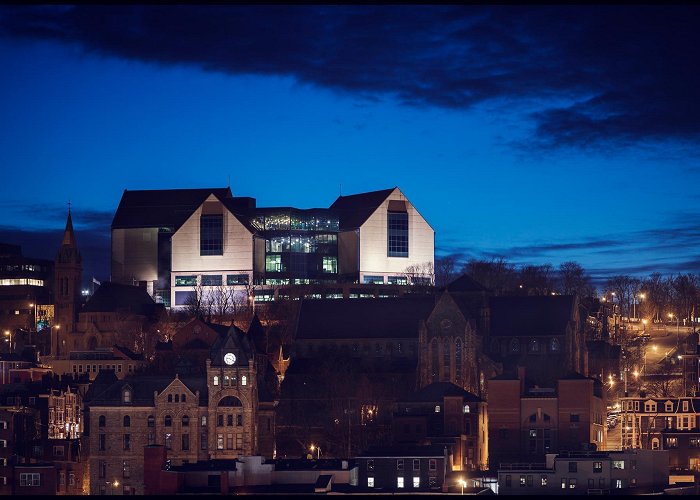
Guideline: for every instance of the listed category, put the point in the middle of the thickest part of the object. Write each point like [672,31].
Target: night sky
[540,134]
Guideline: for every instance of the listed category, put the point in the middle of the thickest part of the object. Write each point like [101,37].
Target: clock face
[229,358]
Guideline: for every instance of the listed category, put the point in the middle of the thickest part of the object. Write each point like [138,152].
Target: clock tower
[233,396]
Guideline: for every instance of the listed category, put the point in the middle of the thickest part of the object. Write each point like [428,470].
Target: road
[662,343]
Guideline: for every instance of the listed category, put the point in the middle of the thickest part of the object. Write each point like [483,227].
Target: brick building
[224,413]
[527,421]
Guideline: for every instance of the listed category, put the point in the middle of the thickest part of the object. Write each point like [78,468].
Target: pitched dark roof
[362,318]
[355,209]
[143,387]
[112,297]
[465,283]
[161,207]
[436,391]
[531,315]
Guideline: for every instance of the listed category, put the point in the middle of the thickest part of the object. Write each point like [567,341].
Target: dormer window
[126,396]
[669,406]
[244,380]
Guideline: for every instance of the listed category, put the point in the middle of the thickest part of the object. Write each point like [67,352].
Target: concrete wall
[135,255]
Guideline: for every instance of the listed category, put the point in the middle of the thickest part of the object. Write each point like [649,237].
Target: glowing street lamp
[318,451]
[462,483]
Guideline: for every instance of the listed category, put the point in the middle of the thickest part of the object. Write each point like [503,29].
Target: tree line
[654,297]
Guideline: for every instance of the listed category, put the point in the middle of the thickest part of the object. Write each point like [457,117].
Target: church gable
[446,319]
[176,392]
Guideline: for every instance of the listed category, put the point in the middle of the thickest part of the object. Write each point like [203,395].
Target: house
[581,473]
[403,469]
[445,414]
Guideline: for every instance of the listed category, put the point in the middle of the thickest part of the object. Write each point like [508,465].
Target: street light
[318,448]
[8,333]
[678,332]
[462,483]
[57,327]
[115,484]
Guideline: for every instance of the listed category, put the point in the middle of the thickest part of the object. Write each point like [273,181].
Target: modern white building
[179,244]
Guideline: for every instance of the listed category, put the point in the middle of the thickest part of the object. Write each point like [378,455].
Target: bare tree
[496,274]
[657,296]
[536,280]
[574,280]
[445,270]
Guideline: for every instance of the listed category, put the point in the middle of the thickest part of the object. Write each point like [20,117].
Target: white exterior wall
[237,256]
[373,242]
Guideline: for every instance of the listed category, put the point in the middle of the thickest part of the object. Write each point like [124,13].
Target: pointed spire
[68,252]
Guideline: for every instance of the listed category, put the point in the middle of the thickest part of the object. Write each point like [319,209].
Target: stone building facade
[227,413]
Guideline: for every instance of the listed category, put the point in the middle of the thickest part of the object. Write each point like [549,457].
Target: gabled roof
[525,316]
[465,283]
[112,297]
[362,318]
[355,209]
[161,207]
[437,391]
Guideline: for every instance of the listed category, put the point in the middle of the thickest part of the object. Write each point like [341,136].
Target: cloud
[53,216]
[627,74]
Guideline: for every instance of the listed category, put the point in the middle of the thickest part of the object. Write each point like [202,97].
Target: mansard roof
[355,209]
[527,316]
[437,391]
[161,207]
[363,318]
[113,297]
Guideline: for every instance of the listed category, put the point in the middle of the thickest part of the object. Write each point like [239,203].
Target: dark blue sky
[541,134]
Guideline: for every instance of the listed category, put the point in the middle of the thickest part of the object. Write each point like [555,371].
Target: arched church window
[434,360]
[446,360]
[533,345]
[458,362]
[554,345]
[515,345]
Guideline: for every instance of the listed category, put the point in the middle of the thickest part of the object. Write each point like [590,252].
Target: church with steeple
[68,274]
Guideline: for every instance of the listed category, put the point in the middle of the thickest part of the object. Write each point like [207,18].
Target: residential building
[447,415]
[582,473]
[527,421]
[122,361]
[403,469]
[646,421]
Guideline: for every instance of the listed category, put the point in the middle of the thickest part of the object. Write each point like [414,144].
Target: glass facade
[211,280]
[211,235]
[397,234]
[299,245]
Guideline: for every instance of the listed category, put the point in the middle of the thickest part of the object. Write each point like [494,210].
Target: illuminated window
[244,380]
[211,237]
[236,279]
[168,441]
[330,264]
[185,280]
[399,482]
[370,482]
[216,380]
[273,264]
[416,482]
[397,234]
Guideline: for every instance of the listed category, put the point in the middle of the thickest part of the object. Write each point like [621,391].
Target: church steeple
[68,274]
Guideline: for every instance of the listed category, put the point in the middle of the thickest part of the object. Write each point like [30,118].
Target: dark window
[397,234]
[574,417]
[185,421]
[573,467]
[597,467]
[211,237]
[229,419]
[102,421]
[239,420]
[151,421]
[219,420]
[211,280]
[127,442]
[185,442]
[170,398]
[168,421]
[102,442]
[127,421]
